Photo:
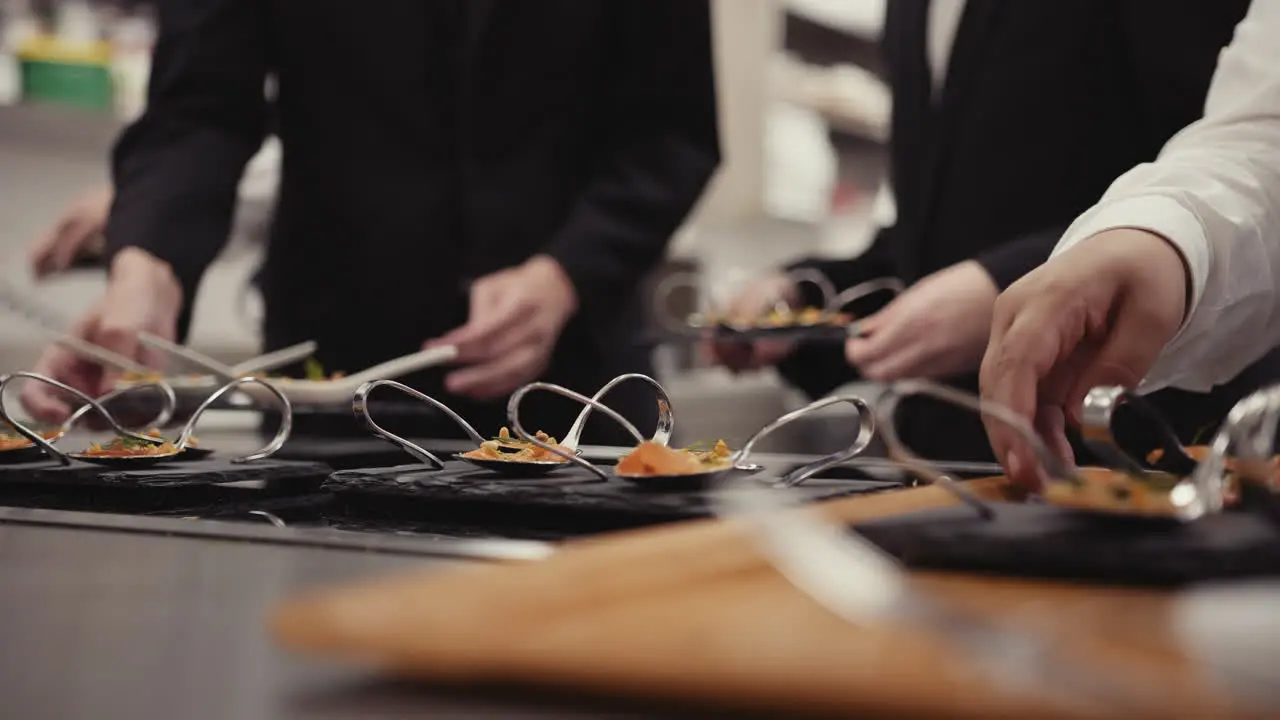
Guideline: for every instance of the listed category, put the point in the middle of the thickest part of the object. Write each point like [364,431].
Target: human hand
[75,233]
[516,318]
[142,295]
[937,328]
[1099,314]
[756,299]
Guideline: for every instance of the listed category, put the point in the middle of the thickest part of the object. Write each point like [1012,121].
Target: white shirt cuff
[1163,216]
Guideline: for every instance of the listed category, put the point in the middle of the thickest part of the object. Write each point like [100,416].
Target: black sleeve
[816,370]
[663,149]
[176,169]
[1009,261]
[876,262]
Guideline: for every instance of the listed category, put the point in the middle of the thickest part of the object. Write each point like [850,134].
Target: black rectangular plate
[211,471]
[1043,541]
[570,490]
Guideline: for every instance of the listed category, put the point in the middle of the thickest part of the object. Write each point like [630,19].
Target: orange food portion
[14,441]
[507,448]
[129,447]
[780,318]
[1112,491]
[652,459]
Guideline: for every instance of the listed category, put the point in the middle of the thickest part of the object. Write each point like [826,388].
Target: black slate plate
[1042,541]
[211,471]
[569,490]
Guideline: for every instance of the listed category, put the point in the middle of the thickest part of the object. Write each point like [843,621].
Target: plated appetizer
[655,466]
[505,448]
[138,450]
[649,459]
[509,455]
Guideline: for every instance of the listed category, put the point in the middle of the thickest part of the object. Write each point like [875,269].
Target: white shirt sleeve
[1214,192]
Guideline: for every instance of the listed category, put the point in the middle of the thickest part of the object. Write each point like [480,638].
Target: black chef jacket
[427,143]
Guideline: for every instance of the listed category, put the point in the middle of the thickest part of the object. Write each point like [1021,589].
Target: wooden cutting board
[693,613]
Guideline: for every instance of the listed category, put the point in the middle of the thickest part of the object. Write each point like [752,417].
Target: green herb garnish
[312,369]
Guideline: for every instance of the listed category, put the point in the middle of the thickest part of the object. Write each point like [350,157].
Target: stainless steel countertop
[109,624]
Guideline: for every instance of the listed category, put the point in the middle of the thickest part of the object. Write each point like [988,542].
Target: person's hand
[80,226]
[937,328]
[516,318]
[142,295]
[1099,314]
[756,299]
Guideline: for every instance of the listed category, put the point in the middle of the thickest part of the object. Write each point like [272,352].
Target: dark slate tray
[571,490]
[1042,541]
[210,471]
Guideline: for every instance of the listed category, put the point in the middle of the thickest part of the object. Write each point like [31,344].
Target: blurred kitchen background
[803,114]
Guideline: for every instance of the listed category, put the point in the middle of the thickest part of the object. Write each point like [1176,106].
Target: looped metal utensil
[282,433]
[814,277]
[666,415]
[513,417]
[360,406]
[1097,429]
[848,296]
[31,452]
[662,297]
[66,458]
[866,432]
[887,407]
[169,404]
[1249,432]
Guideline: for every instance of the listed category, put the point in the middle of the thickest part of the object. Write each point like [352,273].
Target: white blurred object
[850,226]
[76,23]
[800,164]
[860,18]
[851,99]
[18,25]
[262,176]
[132,37]
[1232,630]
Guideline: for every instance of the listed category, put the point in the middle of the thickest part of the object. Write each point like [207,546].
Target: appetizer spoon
[31,452]
[738,462]
[191,452]
[1249,432]
[170,451]
[341,390]
[1097,427]
[513,466]
[134,461]
[1110,494]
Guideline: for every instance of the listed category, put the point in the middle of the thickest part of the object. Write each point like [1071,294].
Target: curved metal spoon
[887,408]
[666,414]
[866,432]
[360,406]
[169,405]
[1097,430]
[513,417]
[64,458]
[277,442]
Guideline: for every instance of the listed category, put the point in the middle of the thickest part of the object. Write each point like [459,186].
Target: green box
[67,83]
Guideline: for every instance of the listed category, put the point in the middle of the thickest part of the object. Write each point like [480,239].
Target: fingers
[499,377]
[1026,343]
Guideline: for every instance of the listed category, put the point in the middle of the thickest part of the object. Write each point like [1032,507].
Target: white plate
[340,391]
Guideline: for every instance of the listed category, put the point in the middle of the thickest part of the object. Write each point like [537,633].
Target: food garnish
[785,318]
[14,441]
[122,447]
[508,448]
[654,459]
[1104,489]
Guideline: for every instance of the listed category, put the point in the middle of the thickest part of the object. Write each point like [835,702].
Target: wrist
[551,269]
[136,266]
